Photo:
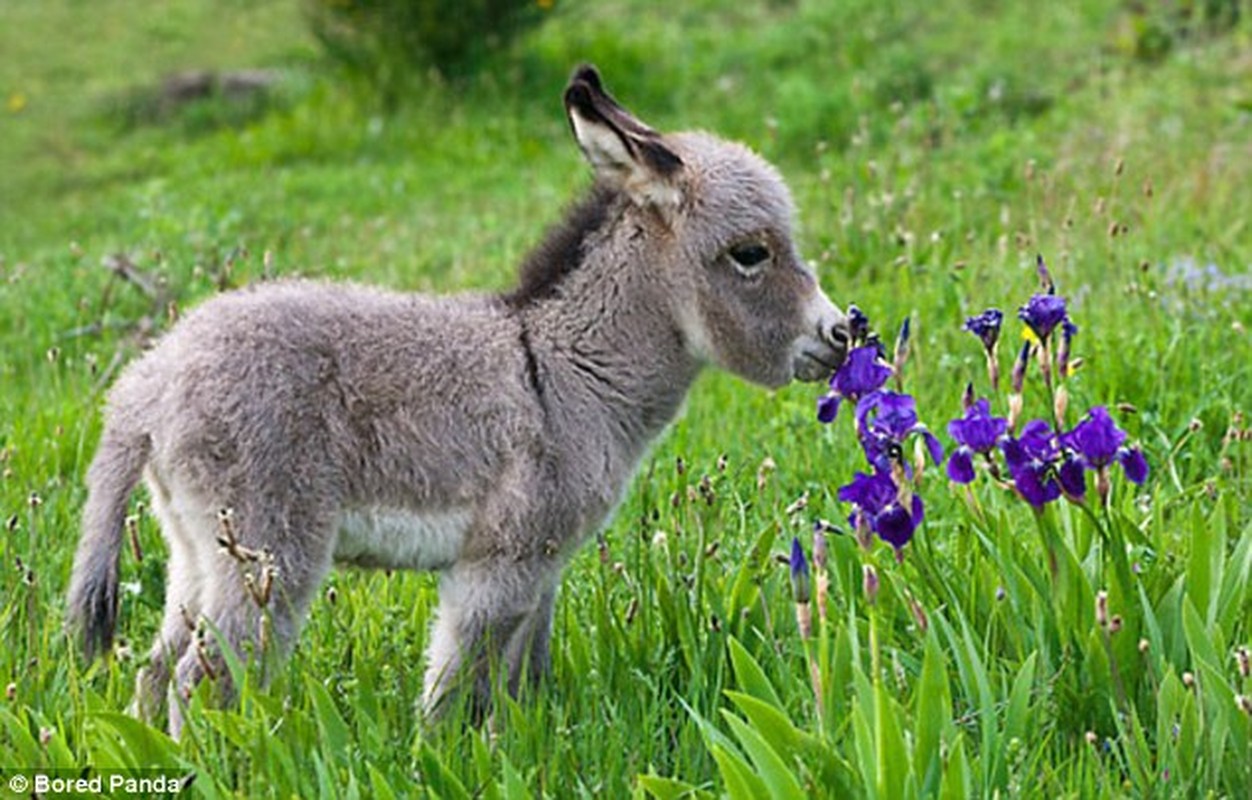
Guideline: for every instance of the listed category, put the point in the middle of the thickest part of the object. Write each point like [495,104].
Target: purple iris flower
[1098,442]
[879,507]
[1042,313]
[976,432]
[986,326]
[1040,469]
[861,374]
[884,420]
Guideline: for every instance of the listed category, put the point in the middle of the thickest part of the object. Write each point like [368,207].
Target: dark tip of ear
[588,74]
[578,96]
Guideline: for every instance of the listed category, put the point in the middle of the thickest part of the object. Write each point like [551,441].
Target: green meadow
[934,149]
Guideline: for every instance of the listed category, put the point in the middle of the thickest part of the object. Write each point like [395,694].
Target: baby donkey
[285,427]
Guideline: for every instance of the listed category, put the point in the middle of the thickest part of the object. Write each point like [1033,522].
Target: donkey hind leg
[256,599]
[541,638]
[184,584]
[490,612]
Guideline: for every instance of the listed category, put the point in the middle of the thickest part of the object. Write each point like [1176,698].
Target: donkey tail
[92,604]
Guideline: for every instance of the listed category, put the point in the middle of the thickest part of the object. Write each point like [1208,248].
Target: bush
[387,42]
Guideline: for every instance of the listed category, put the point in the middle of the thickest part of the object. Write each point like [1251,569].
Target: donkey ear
[619,146]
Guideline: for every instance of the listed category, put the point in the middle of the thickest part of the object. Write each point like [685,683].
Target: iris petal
[919,511]
[894,526]
[1134,464]
[961,465]
[1037,489]
[828,407]
[1071,476]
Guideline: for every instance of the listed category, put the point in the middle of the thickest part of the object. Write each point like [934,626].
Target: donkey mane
[563,247]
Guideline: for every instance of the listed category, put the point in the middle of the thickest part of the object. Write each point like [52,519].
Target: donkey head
[721,244]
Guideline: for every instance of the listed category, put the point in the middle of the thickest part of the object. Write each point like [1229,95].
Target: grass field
[934,150]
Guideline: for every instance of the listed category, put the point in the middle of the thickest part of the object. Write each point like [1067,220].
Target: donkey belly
[393,538]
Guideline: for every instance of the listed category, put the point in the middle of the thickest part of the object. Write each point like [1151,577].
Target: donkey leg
[489,612]
[256,616]
[540,663]
[182,606]
[183,595]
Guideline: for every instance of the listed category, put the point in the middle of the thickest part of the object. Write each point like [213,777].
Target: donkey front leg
[493,611]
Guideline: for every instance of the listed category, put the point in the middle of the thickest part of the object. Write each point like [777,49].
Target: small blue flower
[879,506]
[1098,442]
[861,374]
[1042,313]
[986,326]
[885,419]
[1040,469]
[976,432]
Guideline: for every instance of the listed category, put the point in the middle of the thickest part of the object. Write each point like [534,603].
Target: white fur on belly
[394,538]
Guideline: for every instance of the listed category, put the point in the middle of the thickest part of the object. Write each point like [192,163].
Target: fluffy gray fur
[483,436]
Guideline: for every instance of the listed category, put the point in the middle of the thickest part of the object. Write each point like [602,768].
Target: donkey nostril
[838,335]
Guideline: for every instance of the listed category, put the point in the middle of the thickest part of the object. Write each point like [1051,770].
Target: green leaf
[771,767]
[894,768]
[380,787]
[513,786]
[666,788]
[934,707]
[774,726]
[1232,600]
[748,674]
[958,782]
[1016,718]
[1204,564]
[336,739]
[438,777]
[23,742]
[741,783]
[1199,639]
[145,746]
[746,590]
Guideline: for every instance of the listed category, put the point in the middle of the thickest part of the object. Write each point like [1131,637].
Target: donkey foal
[288,426]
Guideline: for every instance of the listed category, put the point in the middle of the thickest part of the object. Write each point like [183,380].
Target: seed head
[1245,704]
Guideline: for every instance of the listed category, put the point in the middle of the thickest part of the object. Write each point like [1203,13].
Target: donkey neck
[609,359]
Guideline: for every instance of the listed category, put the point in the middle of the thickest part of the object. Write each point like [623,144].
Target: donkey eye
[750,255]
